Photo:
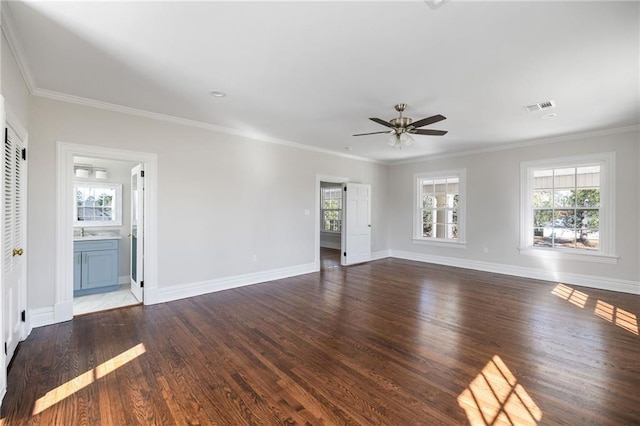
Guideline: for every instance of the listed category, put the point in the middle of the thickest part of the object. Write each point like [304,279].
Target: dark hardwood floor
[389,342]
[329,258]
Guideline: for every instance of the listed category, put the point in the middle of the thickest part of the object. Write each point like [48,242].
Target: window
[567,205]
[331,205]
[97,204]
[439,201]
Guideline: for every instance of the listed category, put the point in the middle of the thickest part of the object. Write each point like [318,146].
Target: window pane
[564,178]
[427,230]
[542,198]
[564,219]
[564,198]
[428,201]
[542,218]
[588,197]
[543,179]
[588,177]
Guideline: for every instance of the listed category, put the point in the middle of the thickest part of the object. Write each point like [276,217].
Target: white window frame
[322,209]
[417,238]
[607,247]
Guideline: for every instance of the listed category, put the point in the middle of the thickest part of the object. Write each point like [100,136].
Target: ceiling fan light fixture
[398,140]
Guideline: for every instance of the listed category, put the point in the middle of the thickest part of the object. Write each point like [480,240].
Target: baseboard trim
[603,283]
[380,255]
[124,279]
[183,291]
[335,246]
[41,317]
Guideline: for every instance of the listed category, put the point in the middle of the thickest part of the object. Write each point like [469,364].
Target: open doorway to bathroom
[101,234]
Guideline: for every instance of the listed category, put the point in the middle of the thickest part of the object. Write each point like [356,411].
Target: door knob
[18,252]
[128,235]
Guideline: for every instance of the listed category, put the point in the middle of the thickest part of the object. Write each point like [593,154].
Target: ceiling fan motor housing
[401,122]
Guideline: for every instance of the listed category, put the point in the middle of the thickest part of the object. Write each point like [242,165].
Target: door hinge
[23,316]
[24,154]
[6,350]
[141,173]
[345,189]
[344,254]
[141,284]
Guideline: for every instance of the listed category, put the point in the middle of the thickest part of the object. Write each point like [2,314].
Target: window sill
[440,243]
[566,255]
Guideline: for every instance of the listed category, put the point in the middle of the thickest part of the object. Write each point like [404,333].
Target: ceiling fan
[404,127]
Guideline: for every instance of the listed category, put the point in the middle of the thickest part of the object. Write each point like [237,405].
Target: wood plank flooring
[389,342]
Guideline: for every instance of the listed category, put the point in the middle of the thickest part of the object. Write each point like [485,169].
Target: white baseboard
[42,316]
[377,255]
[330,245]
[125,279]
[177,292]
[603,283]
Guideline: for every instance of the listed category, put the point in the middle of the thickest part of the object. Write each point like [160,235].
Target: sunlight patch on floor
[623,319]
[619,317]
[85,379]
[495,397]
[576,297]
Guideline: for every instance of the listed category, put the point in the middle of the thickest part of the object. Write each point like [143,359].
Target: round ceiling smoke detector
[217,94]
[553,114]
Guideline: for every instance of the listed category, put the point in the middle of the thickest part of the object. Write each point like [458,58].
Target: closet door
[13,237]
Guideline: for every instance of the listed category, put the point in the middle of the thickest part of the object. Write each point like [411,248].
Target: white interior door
[356,230]
[13,234]
[137,232]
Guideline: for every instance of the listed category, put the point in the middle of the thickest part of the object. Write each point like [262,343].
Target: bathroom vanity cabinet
[95,266]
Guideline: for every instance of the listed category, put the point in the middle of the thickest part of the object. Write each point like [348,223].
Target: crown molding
[15,44]
[522,144]
[50,94]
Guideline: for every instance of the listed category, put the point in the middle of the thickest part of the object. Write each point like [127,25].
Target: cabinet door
[77,270]
[99,268]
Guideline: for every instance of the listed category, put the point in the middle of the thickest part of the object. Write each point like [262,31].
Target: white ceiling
[313,72]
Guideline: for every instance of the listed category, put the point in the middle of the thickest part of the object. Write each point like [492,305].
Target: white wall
[221,198]
[15,92]
[493,211]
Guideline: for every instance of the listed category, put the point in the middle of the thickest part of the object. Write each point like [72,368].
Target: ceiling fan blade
[384,123]
[428,120]
[428,132]
[372,133]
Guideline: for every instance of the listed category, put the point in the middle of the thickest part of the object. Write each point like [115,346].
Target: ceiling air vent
[540,106]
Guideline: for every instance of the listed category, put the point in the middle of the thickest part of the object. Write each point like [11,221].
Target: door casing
[63,304]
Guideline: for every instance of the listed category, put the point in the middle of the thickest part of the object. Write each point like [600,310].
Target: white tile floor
[103,301]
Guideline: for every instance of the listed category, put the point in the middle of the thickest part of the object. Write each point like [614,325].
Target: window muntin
[331,205]
[438,213]
[566,207]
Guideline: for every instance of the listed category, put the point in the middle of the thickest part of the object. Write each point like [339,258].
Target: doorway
[64,295]
[330,224]
[102,221]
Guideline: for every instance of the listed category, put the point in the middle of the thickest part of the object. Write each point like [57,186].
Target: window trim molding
[416,236]
[607,249]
